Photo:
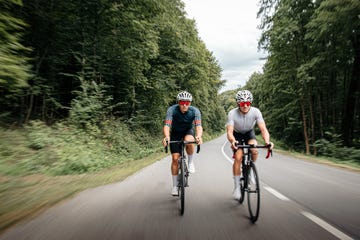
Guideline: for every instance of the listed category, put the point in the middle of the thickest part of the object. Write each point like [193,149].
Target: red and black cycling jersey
[179,121]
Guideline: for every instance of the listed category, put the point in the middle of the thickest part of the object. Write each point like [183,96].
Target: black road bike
[183,175]
[249,182]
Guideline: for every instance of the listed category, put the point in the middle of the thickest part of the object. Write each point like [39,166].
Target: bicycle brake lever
[166,147]
[268,154]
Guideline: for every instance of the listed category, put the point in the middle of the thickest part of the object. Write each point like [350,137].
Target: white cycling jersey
[244,123]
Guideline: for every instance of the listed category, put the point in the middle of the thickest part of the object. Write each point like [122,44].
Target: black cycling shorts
[179,136]
[240,137]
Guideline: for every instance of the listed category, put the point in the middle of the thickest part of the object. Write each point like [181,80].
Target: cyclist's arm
[166,131]
[265,133]
[167,124]
[199,132]
[230,129]
[230,135]
[198,126]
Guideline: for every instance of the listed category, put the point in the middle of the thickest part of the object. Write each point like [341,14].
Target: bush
[333,148]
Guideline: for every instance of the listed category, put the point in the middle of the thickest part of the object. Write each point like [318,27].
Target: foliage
[91,106]
[310,80]
[14,65]
[127,59]
[66,149]
[332,146]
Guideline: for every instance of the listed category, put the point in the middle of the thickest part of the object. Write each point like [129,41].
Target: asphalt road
[299,200]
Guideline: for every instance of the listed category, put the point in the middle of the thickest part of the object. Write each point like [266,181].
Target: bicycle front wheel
[253,193]
[182,184]
[242,189]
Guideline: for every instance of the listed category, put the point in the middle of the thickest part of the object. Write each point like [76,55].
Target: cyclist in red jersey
[178,125]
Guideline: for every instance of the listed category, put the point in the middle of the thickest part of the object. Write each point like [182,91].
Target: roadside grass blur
[41,165]
[22,197]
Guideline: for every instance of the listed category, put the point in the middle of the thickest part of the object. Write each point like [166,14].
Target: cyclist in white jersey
[240,126]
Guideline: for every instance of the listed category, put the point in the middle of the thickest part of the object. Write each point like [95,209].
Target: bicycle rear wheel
[182,184]
[253,187]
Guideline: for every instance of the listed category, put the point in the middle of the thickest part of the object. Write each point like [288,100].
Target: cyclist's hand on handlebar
[270,145]
[198,140]
[233,145]
[165,141]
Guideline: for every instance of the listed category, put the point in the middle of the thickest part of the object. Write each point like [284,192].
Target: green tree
[15,69]
[335,29]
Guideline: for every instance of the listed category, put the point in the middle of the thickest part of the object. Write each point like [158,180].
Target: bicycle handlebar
[184,142]
[249,146]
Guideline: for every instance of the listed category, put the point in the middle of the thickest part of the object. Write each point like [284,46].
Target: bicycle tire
[242,190]
[253,195]
[182,184]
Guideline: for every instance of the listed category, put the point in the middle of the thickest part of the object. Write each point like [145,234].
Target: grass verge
[22,197]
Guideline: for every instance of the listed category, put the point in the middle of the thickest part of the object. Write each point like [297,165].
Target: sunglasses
[184,103]
[242,104]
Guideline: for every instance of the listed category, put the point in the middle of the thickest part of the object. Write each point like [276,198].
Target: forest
[310,87]
[106,67]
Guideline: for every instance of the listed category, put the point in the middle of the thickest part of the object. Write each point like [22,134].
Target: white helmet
[244,96]
[184,96]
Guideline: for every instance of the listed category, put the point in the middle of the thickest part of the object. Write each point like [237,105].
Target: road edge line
[326,226]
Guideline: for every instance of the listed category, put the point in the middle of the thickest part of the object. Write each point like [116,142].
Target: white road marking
[276,193]
[326,226]
[222,150]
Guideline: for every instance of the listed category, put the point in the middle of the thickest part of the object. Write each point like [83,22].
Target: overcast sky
[229,30]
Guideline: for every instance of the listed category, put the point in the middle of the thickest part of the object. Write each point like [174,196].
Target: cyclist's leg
[175,155]
[175,164]
[238,155]
[254,151]
[189,136]
[251,139]
[237,162]
[237,167]
[237,174]
[174,173]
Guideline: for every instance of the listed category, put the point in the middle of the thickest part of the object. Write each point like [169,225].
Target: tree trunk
[312,123]
[306,137]
[321,121]
[28,114]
